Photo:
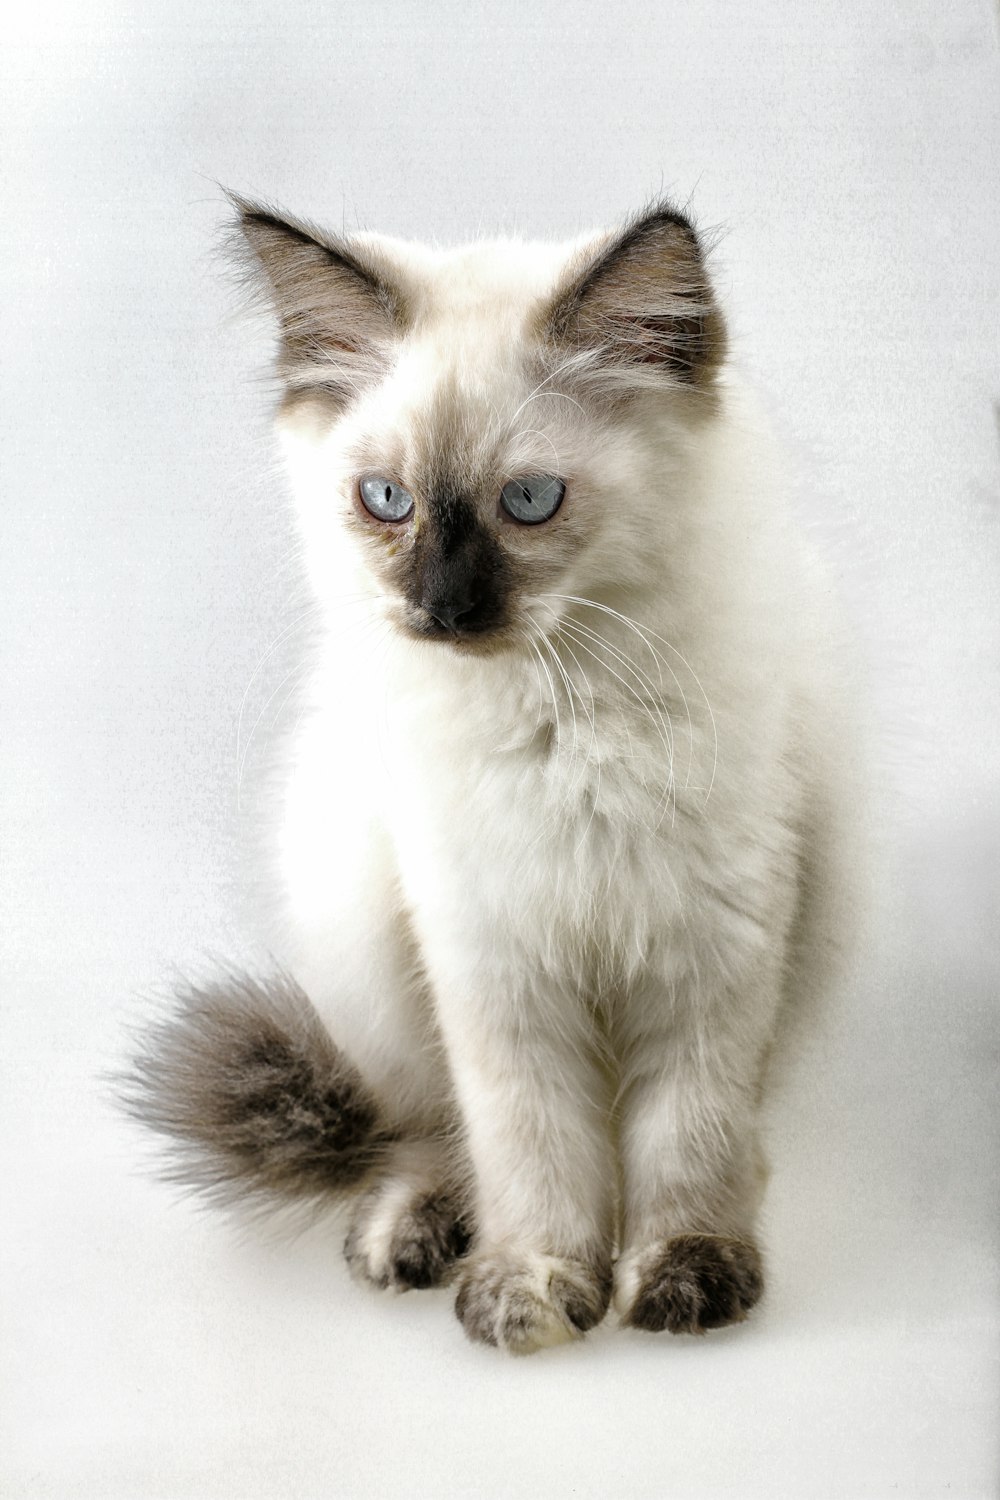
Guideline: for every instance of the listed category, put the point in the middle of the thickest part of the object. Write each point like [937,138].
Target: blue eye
[384,499]
[535,498]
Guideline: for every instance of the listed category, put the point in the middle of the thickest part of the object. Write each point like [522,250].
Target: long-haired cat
[559,832]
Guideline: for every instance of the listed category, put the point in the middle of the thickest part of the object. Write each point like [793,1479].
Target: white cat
[561,830]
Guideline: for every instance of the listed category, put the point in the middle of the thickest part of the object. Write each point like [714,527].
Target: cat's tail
[259,1106]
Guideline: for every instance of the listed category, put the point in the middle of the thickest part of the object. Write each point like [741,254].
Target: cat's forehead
[447,424]
[499,279]
[468,399]
[453,406]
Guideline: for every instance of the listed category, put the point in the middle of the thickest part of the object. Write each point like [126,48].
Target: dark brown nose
[451,613]
[460,579]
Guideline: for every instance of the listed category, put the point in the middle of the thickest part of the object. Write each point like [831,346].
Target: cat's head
[477,436]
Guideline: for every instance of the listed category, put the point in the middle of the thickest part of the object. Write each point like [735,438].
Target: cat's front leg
[691,1056]
[534,1107]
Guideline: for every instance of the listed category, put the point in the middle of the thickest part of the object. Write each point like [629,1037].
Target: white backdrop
[848,149]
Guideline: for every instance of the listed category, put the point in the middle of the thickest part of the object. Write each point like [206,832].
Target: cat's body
[560,830]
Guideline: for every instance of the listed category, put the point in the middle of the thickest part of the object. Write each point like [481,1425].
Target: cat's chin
[496,641]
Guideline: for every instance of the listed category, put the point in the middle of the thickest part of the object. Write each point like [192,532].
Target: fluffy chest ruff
[587,828]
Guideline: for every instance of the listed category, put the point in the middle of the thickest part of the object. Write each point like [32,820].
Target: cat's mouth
[471,634]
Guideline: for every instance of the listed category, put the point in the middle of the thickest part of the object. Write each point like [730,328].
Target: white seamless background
[848,150]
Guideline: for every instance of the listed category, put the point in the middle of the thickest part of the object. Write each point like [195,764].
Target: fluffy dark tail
[257,1102]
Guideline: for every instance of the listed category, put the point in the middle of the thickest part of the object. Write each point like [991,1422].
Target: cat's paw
[523,1302]
[404,1240]
[689,1283]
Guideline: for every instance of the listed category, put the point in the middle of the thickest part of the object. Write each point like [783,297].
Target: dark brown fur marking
[425,1248]
[585,1309]
[645,298]
[456,574]
[699,1281]
[340,308]
[428,1239]
[255,1098]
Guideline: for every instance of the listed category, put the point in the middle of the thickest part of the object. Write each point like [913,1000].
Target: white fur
[521,887]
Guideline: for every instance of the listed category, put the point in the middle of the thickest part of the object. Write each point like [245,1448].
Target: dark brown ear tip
[264,223]
[664,217]
[245,209]
[663,211]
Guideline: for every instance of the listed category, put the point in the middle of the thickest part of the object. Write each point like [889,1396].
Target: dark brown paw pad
[694,1282]
[523,1303]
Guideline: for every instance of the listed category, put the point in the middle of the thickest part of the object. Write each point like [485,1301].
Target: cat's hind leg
[413,1223]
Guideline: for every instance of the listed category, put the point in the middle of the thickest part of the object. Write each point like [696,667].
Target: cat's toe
[532,1301]
[404,1243]
[690,1283]
[427,1242]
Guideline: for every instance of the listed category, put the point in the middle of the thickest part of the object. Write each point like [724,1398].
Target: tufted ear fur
[643,306]
[337,305]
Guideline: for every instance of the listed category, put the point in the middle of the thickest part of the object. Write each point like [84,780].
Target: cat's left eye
[384,499]
[535,498]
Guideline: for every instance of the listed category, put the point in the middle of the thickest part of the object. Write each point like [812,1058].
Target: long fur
[556,881]
[256,1101]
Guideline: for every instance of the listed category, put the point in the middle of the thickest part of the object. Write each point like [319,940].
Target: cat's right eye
[533,499]
[384,499]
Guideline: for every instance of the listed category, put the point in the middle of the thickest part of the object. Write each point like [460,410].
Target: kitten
[559,835]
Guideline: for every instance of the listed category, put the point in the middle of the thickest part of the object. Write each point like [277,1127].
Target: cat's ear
[336,304]
[642,304]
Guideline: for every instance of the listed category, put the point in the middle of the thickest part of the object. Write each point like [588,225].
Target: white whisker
[593,751]
[644,632]
[538,679]
[657,724]
[552,689]
[642,677]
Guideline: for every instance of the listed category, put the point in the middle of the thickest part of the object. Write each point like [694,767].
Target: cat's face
[470,433]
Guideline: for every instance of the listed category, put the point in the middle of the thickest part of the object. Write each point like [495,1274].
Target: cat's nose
[450,613]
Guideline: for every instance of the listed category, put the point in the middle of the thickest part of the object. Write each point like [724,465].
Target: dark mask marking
[456,576]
